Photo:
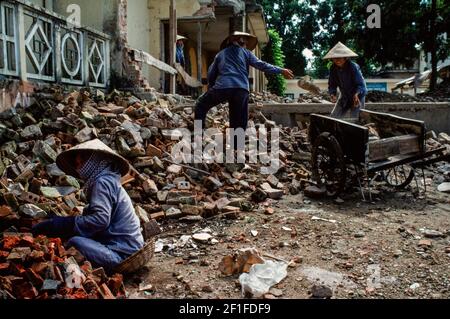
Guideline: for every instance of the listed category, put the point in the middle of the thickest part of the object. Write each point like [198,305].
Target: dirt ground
[380,249]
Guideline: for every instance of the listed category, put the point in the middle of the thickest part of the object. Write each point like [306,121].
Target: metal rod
[188,167]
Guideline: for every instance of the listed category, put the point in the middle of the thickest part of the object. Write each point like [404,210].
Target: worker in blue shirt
[228,78]
[108,231]
[179,57]
[345,75]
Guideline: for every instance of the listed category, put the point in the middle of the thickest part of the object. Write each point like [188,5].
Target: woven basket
[138,260]
[143,256]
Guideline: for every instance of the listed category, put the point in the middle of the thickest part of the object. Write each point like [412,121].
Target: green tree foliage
[295,22]
[434,30]
[273,54]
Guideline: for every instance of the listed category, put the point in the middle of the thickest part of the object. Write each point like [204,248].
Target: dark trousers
[238,105]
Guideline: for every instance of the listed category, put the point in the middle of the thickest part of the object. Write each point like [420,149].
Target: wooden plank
[172,43]
[189,80]
[199,52]
[393,146]
[391,125]
[142,56]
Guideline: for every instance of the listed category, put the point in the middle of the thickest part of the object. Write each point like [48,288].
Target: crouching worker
[108,231]
[346,75]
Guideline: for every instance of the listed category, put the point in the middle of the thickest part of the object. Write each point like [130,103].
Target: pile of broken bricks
[33,187]
[40,268]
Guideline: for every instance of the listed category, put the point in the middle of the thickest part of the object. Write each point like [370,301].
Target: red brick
[17,270]
[115,283]
[58,247]
[35,278]
[4,268]
[86,267]
[10,242]
[5,211]
[40,267]
[78,294]
[58,260]
[37,255]
[3,255]
[26,241]
[90,286]
[25,291]
[105,292]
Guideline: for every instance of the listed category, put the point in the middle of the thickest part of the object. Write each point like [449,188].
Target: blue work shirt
[349,79]
[110,218]
[180,55]
[230,69]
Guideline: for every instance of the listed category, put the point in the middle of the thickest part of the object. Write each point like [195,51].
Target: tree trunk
[433,35]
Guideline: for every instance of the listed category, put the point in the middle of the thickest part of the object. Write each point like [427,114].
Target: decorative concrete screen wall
[38,44]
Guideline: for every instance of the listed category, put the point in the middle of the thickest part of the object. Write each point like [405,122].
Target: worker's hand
[356,101]
[333,99]
[56,227]
[288,74]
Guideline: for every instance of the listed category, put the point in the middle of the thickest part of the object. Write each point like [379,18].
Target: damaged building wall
[139,32]
[103,15]
[92,14]
[157,11]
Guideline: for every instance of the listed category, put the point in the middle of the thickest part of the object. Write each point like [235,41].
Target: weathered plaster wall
[159,10]
[139,32]
[93,13]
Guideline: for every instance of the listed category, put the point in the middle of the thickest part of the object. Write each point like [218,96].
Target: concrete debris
[444,188]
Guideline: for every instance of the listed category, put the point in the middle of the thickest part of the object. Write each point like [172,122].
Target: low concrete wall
[435,115]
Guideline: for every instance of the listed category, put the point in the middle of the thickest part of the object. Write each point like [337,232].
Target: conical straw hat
[252,41]
[340,51]
[65,160]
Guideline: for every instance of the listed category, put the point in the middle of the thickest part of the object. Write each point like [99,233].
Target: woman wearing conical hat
[228,78]
[345,75]
[108,232]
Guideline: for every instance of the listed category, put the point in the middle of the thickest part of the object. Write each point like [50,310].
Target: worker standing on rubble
[345,75]
[228,79]
[108,232]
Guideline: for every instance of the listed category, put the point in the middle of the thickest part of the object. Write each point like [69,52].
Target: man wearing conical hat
[345,75]
[180,59]
[108,231]
[179,56]
[228,78]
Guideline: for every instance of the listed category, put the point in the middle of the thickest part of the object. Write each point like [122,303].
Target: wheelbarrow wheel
[399,176]
[328,164]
